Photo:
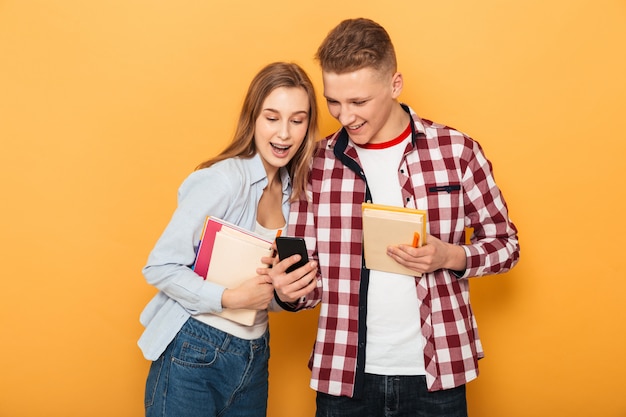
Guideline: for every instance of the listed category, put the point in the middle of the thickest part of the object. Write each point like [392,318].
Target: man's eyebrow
[348,99]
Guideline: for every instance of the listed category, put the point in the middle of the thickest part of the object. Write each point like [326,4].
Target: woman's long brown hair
[272,76]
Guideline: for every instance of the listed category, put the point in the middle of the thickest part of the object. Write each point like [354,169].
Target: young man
[391,344]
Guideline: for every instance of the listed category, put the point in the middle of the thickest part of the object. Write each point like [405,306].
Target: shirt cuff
[285,306]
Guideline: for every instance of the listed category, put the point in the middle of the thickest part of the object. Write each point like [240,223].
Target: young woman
[203,364]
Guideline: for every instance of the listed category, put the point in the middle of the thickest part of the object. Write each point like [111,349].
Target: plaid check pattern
[444,172]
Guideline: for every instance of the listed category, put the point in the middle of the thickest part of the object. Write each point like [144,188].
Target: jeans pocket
[152,382]
[195,355]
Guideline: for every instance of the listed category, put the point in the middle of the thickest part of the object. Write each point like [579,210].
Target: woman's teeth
[280,148]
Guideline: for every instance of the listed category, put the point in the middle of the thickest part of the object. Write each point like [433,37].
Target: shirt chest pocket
[445,207]
[448,188]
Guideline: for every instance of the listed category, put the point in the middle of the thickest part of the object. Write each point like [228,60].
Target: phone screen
[287,246]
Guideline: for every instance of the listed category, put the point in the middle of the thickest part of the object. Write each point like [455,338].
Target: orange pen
[274,252]
[416,239]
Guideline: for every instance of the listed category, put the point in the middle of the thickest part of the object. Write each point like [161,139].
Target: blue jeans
[395,396]
[205,372]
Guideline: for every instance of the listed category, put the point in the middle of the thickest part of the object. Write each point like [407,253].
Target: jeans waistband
[222,340]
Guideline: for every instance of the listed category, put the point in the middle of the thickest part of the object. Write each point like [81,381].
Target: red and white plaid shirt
[444,172]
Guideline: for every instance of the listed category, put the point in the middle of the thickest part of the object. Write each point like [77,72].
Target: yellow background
[105,106]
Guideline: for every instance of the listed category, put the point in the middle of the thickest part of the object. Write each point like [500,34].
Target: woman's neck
[269,211]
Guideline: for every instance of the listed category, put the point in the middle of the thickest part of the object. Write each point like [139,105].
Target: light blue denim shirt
[231,190]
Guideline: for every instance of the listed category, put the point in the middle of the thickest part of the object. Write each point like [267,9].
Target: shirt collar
[258,174]
[417,127]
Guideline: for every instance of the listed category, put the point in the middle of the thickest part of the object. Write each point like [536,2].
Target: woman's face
[281,126]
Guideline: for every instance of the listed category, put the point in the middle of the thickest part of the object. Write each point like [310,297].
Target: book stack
[385,226]
[228,255]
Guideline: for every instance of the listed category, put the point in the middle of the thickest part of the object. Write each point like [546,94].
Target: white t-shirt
[394,339]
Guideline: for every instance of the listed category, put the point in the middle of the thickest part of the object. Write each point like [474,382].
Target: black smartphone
[287,246]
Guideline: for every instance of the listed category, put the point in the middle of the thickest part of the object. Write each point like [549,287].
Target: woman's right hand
[254,294]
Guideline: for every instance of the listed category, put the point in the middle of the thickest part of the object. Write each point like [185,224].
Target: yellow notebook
[385,226]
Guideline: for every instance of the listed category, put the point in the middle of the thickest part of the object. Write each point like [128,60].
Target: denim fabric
[395,396]
[205,372]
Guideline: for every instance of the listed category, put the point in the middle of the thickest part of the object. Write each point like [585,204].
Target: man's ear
[397,82]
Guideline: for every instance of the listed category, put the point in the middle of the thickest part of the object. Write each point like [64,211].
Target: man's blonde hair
[355,44]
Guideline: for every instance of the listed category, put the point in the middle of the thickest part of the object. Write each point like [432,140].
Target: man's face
[363,101]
